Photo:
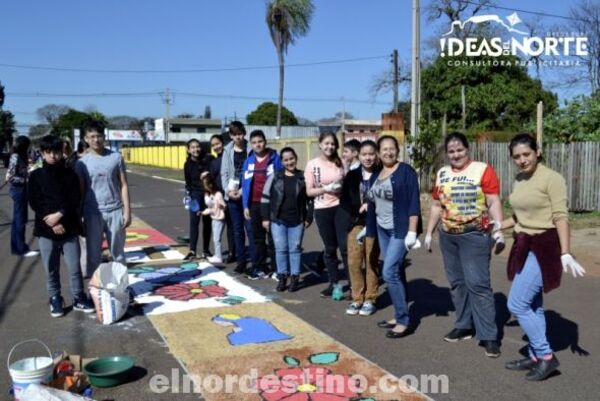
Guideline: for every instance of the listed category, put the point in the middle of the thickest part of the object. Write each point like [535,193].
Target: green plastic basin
[109,371]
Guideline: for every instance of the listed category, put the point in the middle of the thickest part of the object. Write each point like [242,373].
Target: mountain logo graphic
[512,19]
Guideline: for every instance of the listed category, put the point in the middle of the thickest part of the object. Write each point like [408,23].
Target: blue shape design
[251,330]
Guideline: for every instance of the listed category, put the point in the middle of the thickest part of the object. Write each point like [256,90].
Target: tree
[460,10]
[207,112]
[74,119]
[2,95]
[267,113]
[124,122]
[287,20]
[51,112]
[7,128]
[39,130]
[384,81]
[585,17]
[185,115]
[499,93]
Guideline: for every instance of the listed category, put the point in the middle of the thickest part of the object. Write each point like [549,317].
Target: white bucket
[38,369]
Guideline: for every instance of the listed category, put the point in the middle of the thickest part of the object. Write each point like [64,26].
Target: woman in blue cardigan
[394,215]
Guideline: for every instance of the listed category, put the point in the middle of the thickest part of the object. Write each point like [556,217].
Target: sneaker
[274,276]
[30,254]
[240,268]
[521,364]
[459,334]
[367,309]
[215,260]
[294,285]
[57,306]
[282,283]
[492,348]
[230,259]
[326,293]
[190,256]
[542,369]
[83,304]
[256,274]
[338,293]
[206,254]
[353,308]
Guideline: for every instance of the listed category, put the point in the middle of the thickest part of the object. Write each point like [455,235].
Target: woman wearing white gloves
[465,198]
[395,212]
[540,253]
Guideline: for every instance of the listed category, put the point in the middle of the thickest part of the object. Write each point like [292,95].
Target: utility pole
[396,79]
[415,93]
[168,101]
[540,124]
[464,108]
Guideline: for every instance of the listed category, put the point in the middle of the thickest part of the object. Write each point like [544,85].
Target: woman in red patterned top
[465,197]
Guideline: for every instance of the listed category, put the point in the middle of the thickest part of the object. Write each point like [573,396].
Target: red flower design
[306,384]
[188,291]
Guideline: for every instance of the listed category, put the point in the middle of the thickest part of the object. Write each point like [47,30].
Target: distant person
[324,176]
[286,212]
[363,250]
[350,155]
[193,168]
[540,253]
[262,163]
[232,161]
[106,204]
[466,198]
[215,210]
[395,214]
[17,176]
[54,196]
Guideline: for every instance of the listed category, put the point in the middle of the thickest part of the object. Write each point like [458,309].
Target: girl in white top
[215,208]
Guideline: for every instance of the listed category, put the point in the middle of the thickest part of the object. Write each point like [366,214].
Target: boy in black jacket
[54,196]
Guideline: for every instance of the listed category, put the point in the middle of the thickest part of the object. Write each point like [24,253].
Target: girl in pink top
[215,208]
[323,176]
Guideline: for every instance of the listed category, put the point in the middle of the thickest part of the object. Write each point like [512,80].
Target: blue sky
[156,34]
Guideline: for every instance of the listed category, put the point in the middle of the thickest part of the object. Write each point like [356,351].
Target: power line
[193,94]
[524,11]
[191,70]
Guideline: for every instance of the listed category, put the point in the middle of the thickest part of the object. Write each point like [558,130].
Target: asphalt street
[573,326]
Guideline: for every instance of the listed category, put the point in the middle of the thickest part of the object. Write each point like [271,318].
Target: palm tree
[287,21]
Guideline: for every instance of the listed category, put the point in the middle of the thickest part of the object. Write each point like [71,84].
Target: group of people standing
[367,207]
[80,197]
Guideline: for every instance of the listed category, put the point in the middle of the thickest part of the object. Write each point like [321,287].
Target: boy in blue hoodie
[261,163]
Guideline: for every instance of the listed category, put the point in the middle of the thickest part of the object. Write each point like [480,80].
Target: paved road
[574,328]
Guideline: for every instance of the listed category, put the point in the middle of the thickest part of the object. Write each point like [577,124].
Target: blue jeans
[288,247]
[239,223]
[18,194]
[111,225]
[50,251]
[393,253]
[525,301]
[467,265]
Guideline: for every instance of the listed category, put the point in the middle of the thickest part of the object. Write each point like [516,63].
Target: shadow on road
[15,282]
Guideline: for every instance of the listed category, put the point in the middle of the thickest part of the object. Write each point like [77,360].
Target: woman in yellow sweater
[540,253]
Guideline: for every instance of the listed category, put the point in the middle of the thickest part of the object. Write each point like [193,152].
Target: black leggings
[195,224]
[333,229]
[260,237]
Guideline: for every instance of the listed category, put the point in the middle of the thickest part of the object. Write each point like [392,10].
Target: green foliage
[578,120]
[266,114]
[425,147]
[74,119]
[2,95]
[498,97]
[7,128]
[288,20]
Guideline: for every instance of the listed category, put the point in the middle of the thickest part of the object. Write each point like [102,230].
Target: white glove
[499,243]
[410,240]
[569,262]
[333,187]
[428,242]
[360,237]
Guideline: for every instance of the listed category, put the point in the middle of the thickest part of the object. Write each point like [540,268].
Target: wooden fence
[578,162]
